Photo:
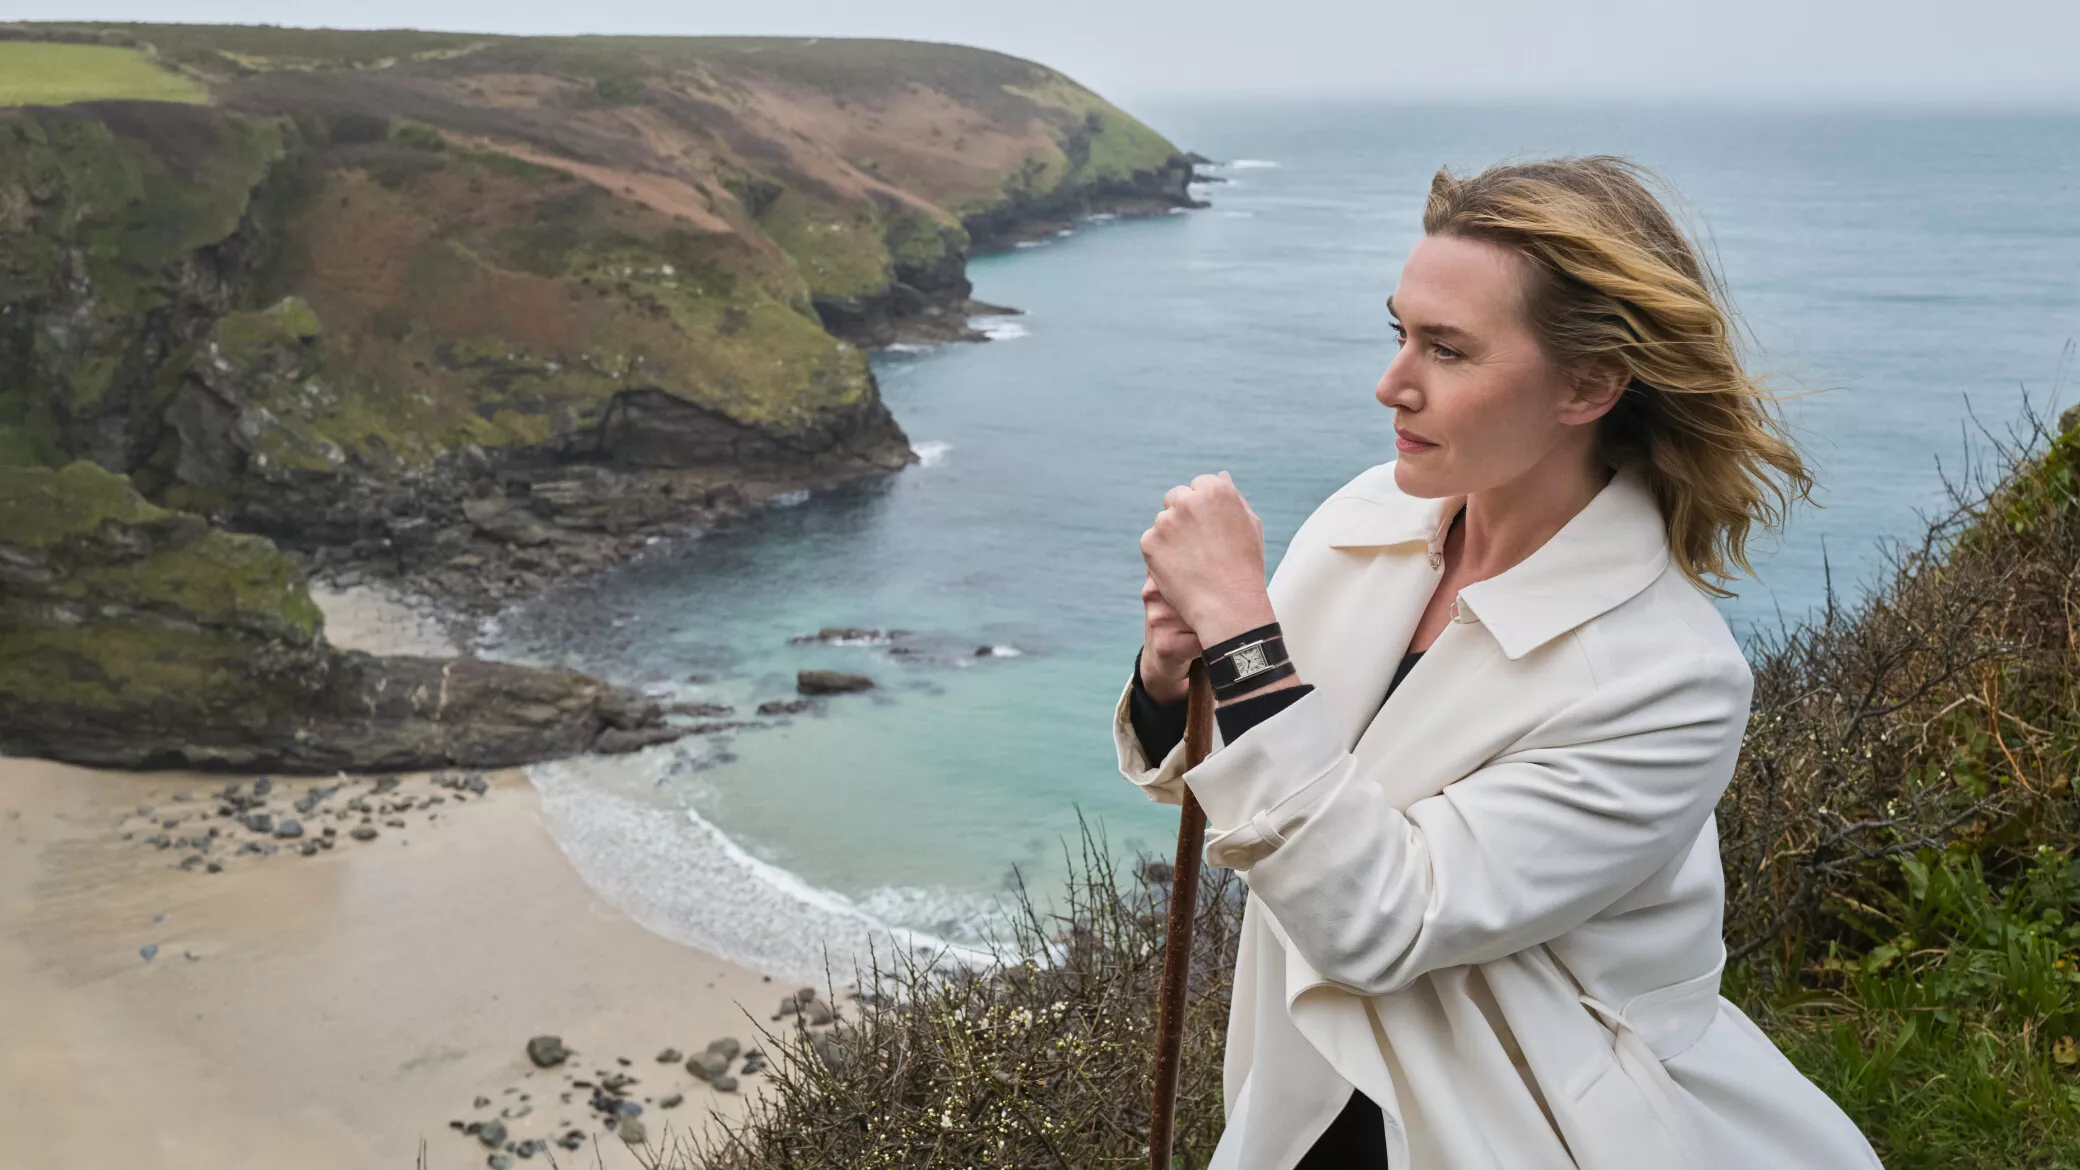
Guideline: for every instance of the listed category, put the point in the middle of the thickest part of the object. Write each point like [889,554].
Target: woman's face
[1477,403]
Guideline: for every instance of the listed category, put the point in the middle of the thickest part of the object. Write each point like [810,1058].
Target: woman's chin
[1414,479]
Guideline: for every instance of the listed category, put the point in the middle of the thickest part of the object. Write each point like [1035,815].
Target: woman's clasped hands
[1205,582]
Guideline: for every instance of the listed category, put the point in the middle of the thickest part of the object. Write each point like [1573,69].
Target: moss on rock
[118,223]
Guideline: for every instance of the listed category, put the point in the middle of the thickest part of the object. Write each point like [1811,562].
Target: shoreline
[334,1007]
[331,1010]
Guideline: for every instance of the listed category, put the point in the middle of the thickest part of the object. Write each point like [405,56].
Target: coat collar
[1607,553]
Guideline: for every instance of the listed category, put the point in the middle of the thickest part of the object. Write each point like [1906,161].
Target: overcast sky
[1980,51]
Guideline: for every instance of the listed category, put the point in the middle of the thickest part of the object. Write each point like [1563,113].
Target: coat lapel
[1350,608]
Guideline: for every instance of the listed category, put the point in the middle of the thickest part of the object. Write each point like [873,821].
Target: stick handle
[1177,938]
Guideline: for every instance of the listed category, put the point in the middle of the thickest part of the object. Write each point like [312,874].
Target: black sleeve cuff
[1243,714]
[1159,726]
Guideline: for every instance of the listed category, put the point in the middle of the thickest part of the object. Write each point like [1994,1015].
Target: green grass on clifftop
[39,74]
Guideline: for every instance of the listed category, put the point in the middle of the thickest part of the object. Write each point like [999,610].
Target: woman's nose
[1395,390]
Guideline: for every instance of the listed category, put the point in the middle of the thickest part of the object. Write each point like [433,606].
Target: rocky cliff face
[131,636]
[337,341]
[479,312]
[392,276]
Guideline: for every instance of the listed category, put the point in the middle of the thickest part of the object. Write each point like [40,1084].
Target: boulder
[830,682]
[507,520]
[707,1064]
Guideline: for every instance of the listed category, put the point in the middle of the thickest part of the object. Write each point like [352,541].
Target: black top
[1356,1139]
[1159,726]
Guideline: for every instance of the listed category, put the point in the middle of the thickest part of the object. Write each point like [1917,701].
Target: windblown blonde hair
[1615,280]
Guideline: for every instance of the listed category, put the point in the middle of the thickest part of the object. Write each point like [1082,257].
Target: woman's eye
[1444,352]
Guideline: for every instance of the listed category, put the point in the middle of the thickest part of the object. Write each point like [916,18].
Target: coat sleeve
[1569,819]
[1163,780]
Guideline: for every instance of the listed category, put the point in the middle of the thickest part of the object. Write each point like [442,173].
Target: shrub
[1042,1059]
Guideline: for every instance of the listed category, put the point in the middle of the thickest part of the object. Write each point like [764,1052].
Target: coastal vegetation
[55,75]
[1903,902]
[478,313]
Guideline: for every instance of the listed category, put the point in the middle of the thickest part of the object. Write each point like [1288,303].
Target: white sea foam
[1030,244]
[790,499]
[1005,651]
[1100,216]
[679,876]
[907,347]
[998,328]
[1253,164]
[931,452]
[1067,231]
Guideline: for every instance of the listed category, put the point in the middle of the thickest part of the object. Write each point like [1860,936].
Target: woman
[1483,922]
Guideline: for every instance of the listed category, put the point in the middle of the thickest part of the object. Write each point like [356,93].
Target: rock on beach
[547,1051]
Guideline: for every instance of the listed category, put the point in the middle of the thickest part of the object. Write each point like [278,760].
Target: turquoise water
[1915,263]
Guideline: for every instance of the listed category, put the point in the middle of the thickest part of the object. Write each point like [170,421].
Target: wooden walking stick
[1177,939]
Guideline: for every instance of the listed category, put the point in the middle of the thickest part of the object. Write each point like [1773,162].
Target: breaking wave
[999,328]
[677,875]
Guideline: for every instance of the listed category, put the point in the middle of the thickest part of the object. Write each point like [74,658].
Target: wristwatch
[1247,661]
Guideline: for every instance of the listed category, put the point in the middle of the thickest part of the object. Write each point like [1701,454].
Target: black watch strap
[1247,660]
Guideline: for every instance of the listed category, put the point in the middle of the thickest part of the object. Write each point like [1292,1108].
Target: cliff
[387,274]
[133,636]
[482,311]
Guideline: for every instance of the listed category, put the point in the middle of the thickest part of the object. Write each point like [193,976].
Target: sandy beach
[335,1009]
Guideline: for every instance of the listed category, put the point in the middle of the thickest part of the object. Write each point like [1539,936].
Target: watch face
[1250,659]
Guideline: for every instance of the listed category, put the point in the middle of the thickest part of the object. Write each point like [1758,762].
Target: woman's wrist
[1161,686]
[1291,680]
[1218,626]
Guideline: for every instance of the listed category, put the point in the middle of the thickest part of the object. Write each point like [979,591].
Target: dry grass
[1041,1061]
[1938,713]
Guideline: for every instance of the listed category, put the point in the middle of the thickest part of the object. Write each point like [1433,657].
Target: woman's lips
[1404,441]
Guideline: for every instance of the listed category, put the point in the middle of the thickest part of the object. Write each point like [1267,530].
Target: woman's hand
[1168,647]
[1205,556]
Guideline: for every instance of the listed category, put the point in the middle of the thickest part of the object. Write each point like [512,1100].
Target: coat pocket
[1629,1114]
[1617,1125]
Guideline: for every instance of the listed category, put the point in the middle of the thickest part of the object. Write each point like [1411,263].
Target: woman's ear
[1597,389]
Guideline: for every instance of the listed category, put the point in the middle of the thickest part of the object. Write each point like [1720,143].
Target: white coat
[1495,905]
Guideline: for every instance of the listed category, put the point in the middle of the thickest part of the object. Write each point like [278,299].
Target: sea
[1910,279]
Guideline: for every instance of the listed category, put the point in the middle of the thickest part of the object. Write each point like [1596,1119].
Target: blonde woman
[1470,737]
